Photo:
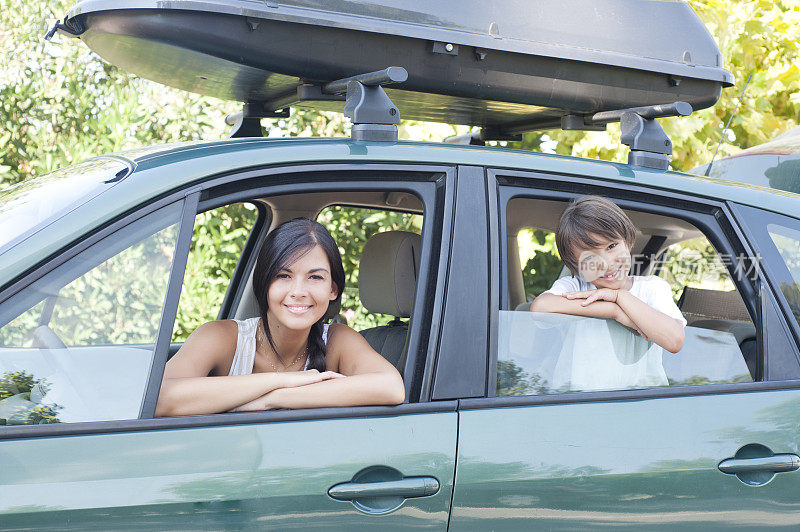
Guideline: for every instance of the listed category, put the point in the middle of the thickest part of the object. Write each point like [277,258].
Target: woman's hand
[590,296]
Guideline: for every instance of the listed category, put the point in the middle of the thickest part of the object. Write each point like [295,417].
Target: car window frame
[711,216]
[248,185]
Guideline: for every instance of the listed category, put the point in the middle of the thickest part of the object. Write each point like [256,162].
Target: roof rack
[494,66]
[650,147]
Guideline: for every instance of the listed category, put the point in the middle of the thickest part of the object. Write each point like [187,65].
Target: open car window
[547,353]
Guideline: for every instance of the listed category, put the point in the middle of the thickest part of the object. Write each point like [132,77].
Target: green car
[98,260]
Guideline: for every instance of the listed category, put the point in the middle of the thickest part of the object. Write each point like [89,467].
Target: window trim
[220,420]
[169,311]
[712,217]
[627,395]
[744,215]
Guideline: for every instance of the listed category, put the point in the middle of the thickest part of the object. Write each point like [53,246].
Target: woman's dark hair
[284,245]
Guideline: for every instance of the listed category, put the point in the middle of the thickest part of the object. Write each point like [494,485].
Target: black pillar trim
[170,310]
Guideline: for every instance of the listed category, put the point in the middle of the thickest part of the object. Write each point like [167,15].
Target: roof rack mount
[373,114]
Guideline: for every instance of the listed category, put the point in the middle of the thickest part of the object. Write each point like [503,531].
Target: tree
[756,37]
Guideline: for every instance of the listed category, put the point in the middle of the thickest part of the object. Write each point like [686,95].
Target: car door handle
[405,488]
[779,463]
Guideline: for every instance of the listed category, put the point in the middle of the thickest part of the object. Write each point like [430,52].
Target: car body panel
[273,475]
[646,464]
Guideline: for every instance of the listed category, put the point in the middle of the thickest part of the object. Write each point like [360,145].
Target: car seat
[722,311]
[387,279]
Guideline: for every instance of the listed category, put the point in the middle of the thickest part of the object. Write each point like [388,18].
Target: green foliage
[25,392]
[755,37]
[217,243]
[694,263]
[537,249]
[62,104]
[513,380]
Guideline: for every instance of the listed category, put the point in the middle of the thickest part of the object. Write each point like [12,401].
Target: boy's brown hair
[584,220]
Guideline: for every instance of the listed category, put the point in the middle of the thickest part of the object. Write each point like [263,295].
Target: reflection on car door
[650,464]
[261,475]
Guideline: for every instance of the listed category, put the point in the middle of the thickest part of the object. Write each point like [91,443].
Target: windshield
[35,203]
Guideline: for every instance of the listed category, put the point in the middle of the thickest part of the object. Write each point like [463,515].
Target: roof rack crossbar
[649,145]
[247,122]
[386,76]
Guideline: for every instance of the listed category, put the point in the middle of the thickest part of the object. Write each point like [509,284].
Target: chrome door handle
[779,463]
[405,488]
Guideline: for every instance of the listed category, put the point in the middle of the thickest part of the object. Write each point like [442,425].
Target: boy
[594,238]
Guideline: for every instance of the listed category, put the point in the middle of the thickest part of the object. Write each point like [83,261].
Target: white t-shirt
[600,355]
[651,289]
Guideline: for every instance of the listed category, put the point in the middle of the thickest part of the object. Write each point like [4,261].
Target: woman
[286,357]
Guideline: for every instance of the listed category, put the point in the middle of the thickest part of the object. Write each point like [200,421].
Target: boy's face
[607,265]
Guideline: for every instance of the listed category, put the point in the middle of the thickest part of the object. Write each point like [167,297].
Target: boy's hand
[590,296]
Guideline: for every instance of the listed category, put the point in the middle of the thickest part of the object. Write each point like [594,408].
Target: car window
[383,318]
[218,239]
[546,353]
[787,241]
[77,344]
[695,263]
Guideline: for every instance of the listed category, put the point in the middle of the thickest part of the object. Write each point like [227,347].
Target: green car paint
[241,477]
[649,464]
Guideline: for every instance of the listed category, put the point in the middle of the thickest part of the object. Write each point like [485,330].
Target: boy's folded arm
[553,303]
[662,329]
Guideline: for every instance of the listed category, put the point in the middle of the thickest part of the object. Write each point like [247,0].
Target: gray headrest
[387,274]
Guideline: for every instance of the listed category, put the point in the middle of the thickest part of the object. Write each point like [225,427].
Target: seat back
[387,279]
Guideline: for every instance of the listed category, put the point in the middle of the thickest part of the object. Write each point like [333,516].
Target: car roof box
[506,64]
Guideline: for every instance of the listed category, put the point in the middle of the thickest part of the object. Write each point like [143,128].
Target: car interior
[706,308]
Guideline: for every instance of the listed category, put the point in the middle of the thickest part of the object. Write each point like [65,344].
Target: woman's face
[301,292]
[607,265]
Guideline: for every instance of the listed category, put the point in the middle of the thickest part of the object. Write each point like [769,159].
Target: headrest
[387,274]
[713,304]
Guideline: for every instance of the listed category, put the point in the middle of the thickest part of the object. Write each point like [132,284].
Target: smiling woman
[285,357]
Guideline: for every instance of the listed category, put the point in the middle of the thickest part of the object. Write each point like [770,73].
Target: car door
[338,468]
[707,456]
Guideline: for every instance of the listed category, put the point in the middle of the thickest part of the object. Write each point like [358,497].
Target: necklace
[262,337]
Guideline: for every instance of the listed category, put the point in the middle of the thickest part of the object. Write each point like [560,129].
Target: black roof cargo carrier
[506,65]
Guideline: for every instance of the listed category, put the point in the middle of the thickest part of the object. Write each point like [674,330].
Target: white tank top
[245,355]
